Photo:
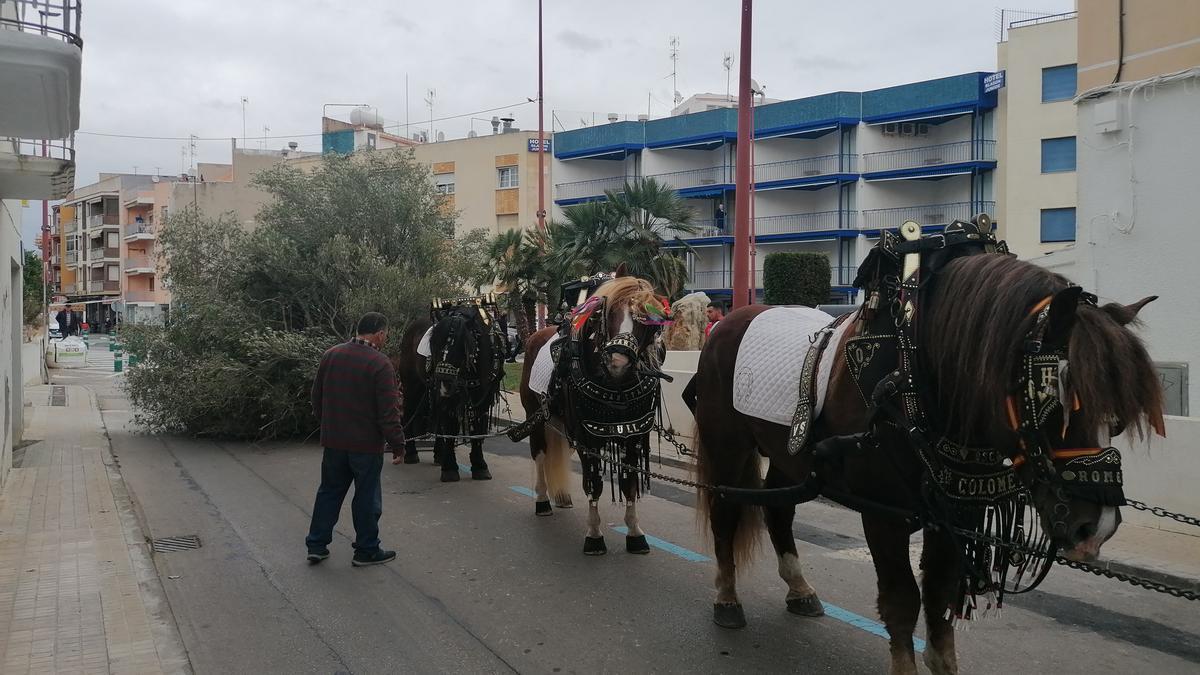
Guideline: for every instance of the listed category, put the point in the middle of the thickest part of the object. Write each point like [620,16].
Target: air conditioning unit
[922,129]
[908,129]
[890,129]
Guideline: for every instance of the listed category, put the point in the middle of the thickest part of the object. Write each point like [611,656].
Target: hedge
[796,279]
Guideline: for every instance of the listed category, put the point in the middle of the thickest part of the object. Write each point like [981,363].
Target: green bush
[252,312]
[796,279]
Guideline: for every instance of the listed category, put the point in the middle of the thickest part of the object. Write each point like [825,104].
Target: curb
[1150,574]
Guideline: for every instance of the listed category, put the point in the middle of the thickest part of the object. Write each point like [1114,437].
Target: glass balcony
[103,220]
[587,190]
[100,254]
[924,214]
[32,169]
[102,286]
[139,264]
[692,179]
[139,231]
[800,170]
[40,62]
[930,156]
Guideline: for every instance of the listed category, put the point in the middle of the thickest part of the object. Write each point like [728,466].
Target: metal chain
[1163,513]
[1157,586]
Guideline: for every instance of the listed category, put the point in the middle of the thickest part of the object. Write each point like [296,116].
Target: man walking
[358,405]
[714,314]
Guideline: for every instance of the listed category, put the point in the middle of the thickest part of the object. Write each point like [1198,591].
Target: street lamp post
[743,282]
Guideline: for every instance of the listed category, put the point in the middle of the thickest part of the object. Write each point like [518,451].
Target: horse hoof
[412,459]
[563,502]
[542,509]
[637,544]
[806,606]
[481,474]
[729,615]
[450,475]
[594,546]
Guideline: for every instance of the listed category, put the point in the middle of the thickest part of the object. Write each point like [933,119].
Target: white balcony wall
[871,138]
[575,170]
[896,193]
[786,202]
[785,149]
[675,159]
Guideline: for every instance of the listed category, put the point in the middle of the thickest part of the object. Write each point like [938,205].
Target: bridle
[1092,473]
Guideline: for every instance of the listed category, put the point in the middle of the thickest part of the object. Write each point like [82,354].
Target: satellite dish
[154,179]
[755,88]
[441,136]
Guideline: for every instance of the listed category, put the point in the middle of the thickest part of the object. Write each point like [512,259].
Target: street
[482,585]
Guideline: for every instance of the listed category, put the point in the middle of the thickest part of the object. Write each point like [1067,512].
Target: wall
[1160,37]
[11,379]
[1022,190]
[1163,472]
[1136,216]
[476,181]
[680,365]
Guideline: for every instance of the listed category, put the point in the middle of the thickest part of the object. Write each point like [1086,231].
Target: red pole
[743,284]
[541,214]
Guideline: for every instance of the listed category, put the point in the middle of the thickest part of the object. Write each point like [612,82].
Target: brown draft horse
[625,299]
[970,331]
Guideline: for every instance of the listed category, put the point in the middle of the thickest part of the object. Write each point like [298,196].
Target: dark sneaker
[316,555]
[363,559]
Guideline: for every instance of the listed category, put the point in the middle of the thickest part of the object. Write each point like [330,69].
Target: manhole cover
[58,396]
[184,543]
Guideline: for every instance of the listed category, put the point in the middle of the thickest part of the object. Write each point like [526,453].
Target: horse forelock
[972,328]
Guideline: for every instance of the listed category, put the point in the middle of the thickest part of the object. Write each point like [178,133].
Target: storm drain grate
[184,543]
[58,396]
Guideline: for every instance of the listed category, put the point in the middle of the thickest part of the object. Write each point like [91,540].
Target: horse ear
[1127,314]
[622,270]
[1062,313]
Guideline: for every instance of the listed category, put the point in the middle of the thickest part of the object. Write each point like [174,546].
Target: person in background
[714,314]
[719,217]
[357,402]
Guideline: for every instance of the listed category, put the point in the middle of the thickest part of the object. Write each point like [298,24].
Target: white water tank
[366,117]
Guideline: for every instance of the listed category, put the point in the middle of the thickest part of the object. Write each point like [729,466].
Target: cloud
[582,43]
[824,63]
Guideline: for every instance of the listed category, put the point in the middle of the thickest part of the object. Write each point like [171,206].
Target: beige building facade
[1153,37]
[1035,135]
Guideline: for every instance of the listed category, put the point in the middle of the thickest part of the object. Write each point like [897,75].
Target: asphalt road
[482,585]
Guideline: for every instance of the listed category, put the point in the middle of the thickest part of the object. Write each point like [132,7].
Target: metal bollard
[133,360]
[118,363]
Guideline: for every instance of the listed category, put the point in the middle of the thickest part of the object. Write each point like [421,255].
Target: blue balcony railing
[695,178]
[930,156]
[923,214]
[588,189]
[795,223]
[839,275]
[809,167]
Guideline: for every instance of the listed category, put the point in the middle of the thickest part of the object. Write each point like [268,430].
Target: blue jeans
[338,470]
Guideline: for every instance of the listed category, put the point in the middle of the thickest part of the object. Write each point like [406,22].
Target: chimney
[495,125]
[508,123]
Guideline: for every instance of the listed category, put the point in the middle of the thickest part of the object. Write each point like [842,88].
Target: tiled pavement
[78,592]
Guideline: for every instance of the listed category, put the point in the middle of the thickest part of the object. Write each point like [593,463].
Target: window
[150,284]
[1058,154]
[114,273]
[1058,83]
[444,183]
[507,176]
[1058,225]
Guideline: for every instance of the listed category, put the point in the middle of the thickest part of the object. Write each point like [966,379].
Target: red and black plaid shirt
[356,400]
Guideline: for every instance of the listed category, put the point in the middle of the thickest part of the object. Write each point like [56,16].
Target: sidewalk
[78,592]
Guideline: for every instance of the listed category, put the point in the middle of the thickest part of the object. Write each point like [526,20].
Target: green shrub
[796,279]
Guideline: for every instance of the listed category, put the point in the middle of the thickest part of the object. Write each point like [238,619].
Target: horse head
[629,338]
[459,348]
[1056,376]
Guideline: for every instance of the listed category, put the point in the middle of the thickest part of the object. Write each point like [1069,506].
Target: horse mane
[460,319]
[626,291]
[972,332]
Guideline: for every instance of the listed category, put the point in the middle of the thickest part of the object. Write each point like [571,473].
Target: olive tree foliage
[252,311]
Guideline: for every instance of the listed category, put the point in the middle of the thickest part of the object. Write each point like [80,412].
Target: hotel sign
[993,82]
[533,145]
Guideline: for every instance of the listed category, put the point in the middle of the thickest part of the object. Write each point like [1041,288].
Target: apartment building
[830,171]
[1035,134]
[41,53]
[1139,78]
[490,181]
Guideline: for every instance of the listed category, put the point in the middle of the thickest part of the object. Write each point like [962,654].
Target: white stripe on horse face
[626,322]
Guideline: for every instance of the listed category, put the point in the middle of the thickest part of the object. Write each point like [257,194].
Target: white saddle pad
[423,347]
[543,368]
[766,377]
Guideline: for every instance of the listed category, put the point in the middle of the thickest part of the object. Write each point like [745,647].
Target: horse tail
[735,469]
[557,465]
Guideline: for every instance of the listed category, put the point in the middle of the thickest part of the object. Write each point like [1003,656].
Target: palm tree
[629,226]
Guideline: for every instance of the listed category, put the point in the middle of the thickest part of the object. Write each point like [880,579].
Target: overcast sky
[174,67]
